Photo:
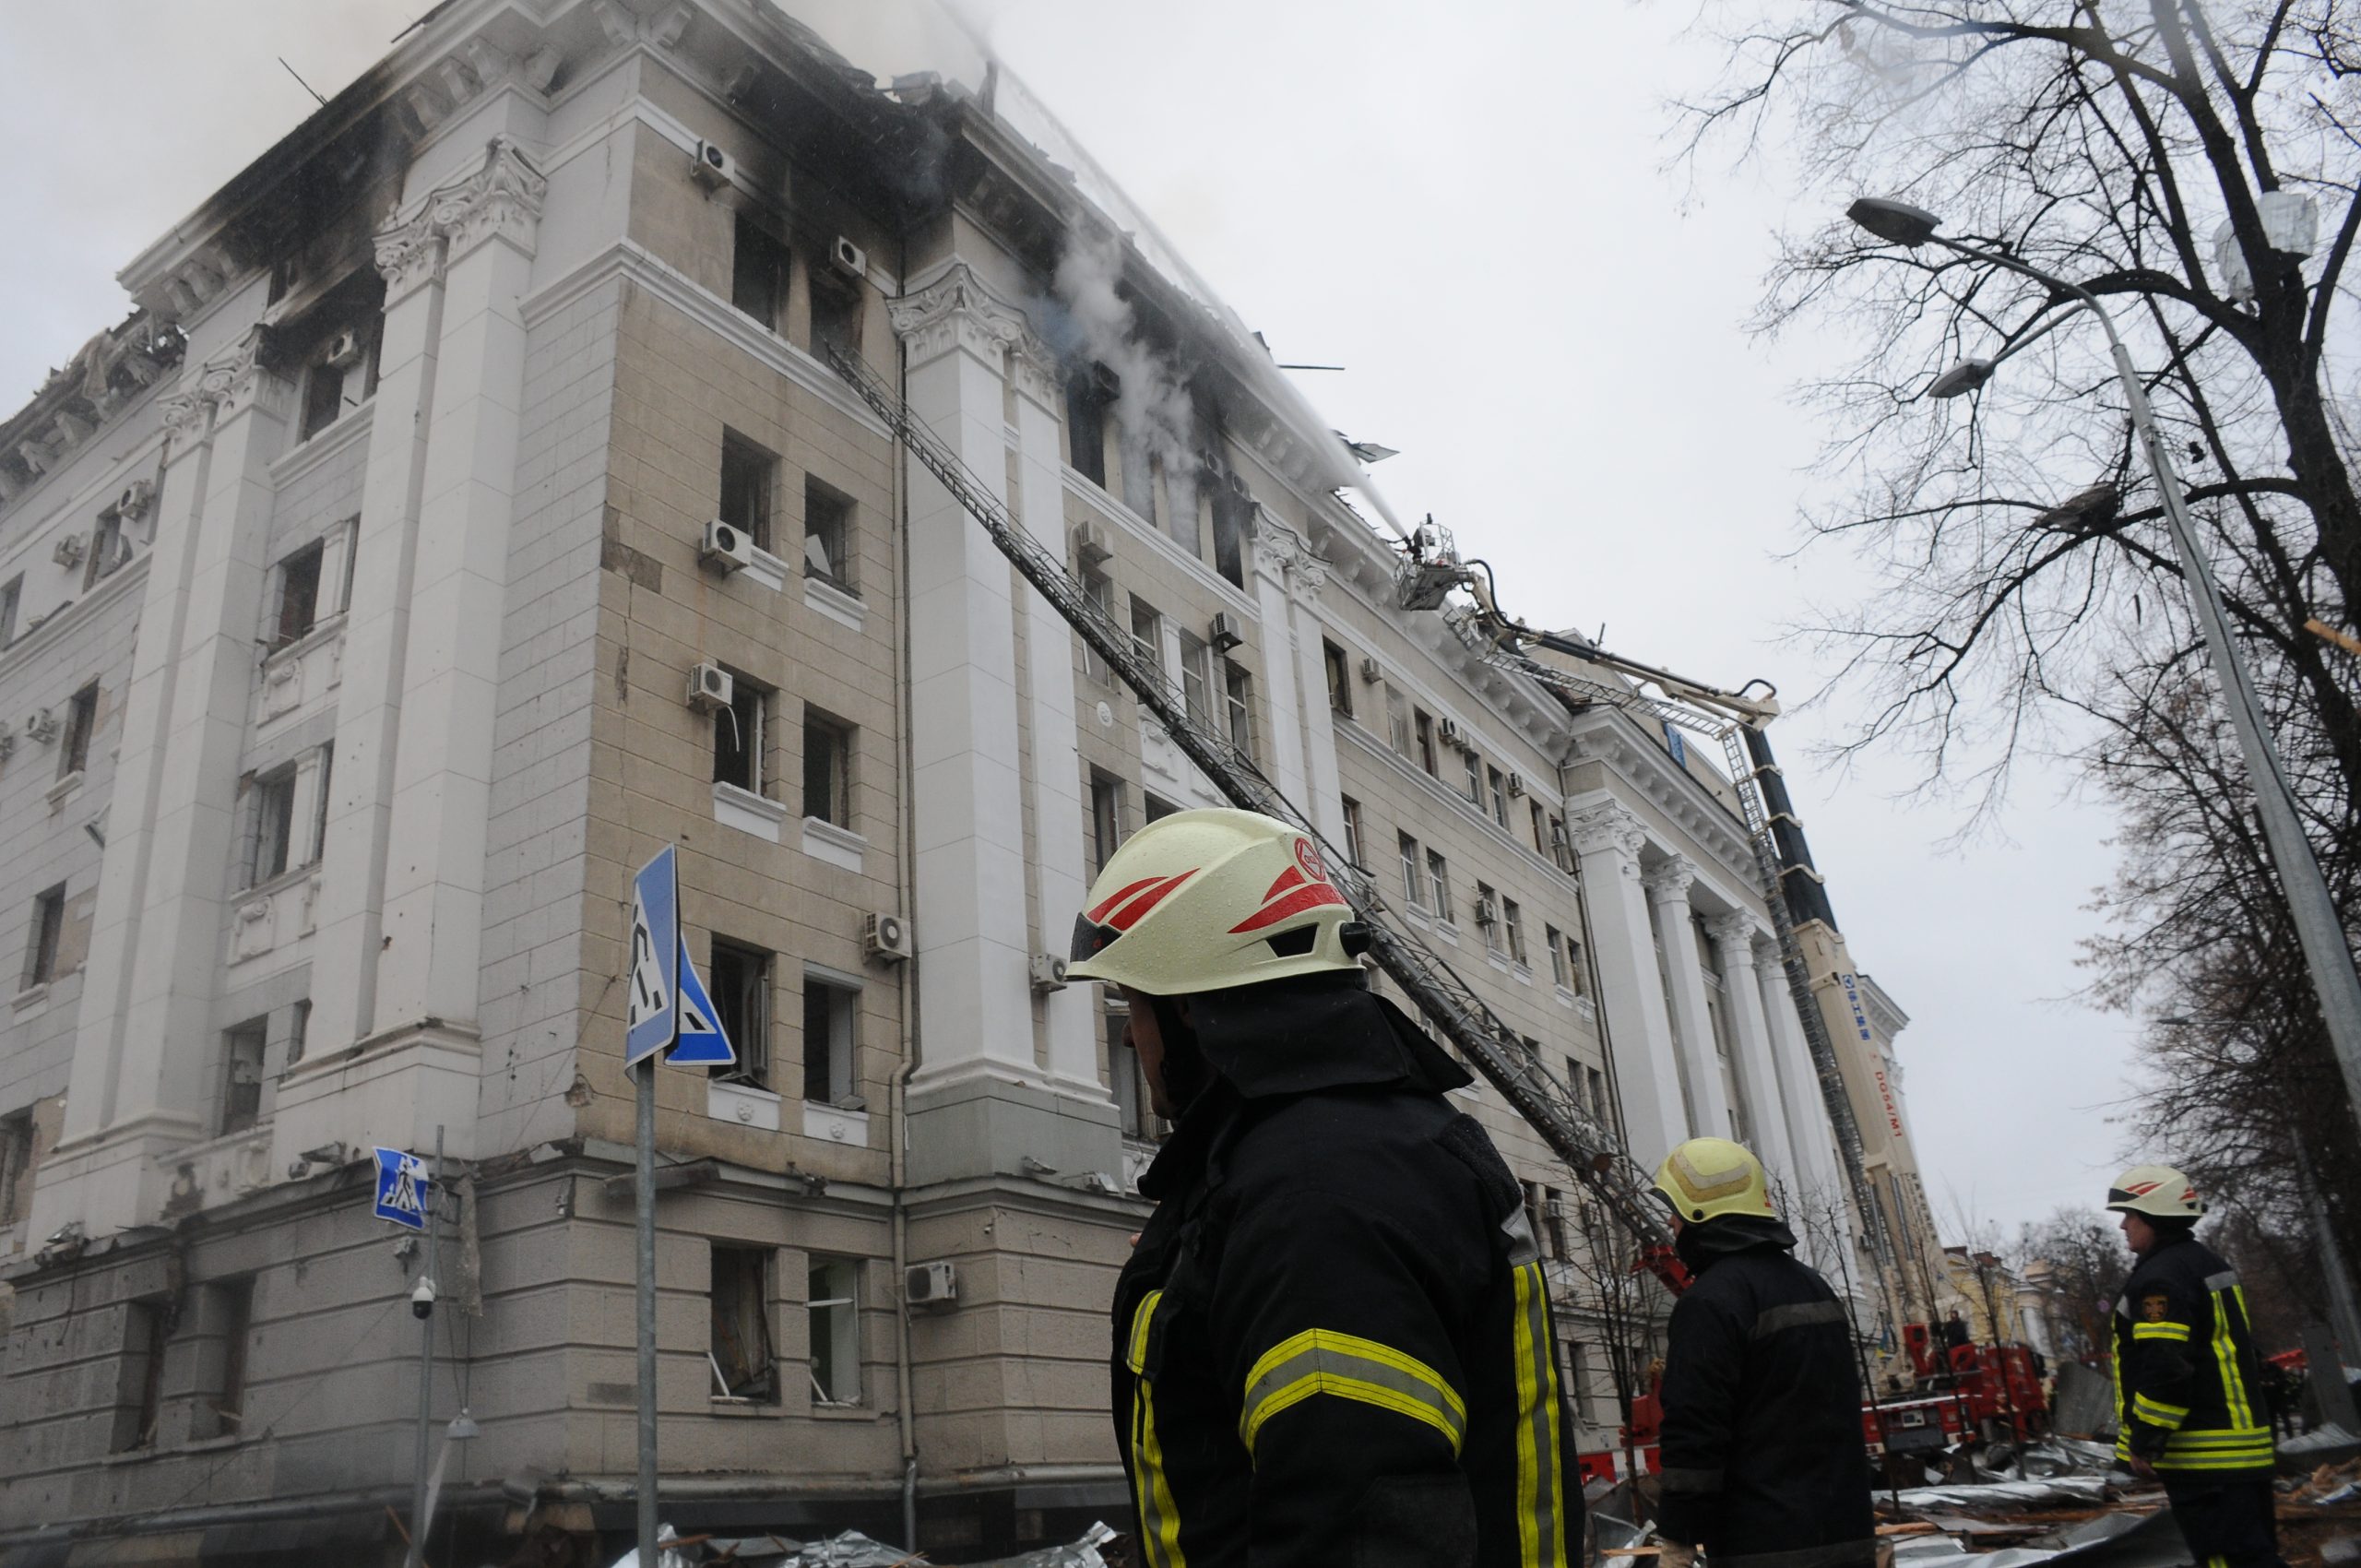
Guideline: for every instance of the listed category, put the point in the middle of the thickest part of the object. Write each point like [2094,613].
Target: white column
[97,1172]
[1809,1131]
[1647,1082]
[1684,978]
[1306,576]
[971,925]
[377,638]
[1758,1077]
[442,782]
[1283,743]
[141,1088]
[1060,869]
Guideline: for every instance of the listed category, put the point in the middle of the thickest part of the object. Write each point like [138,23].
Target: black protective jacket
[1764,1462]
[1333,1342]
[2188,1380]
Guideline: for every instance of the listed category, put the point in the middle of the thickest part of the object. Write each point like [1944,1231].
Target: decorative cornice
[500,200]
[1609,736]
[1670,878]
[1605,828]
[956,310]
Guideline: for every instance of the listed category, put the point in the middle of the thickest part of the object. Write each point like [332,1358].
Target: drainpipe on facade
[907,883]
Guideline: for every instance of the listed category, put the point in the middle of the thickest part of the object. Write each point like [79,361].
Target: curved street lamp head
[1962,378]
[1896,222]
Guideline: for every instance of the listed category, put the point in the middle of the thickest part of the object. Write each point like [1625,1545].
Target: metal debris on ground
[2328,1485]
[851,1549]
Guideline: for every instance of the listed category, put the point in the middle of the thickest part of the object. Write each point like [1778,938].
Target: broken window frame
[1106,818]
[270,825]
[139,1379]
[1423,724]
[741,991]
[742,736]
[48,928]
[1414,879]
[836,317]
[296,593]
[1339,667]
[1099,588]
[1439,876]
[832,1016]
[81,722]
[828,743]
[12,596]
[16,1167]
[1352,814]
[832,1305]
[739,1300]
[108,552]
[1238,701]
[759,262]
[1497,783]
[226,1315]
[748,494]
[1512,921]
[245,1048]
[1147,634]
[828,530]
[1556,941]
[1196,678]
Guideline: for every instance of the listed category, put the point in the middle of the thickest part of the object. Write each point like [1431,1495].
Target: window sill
[740,1409]
[765,569]
[829,1410]
[742,1103]
[65,788]
[32,998]
[324,630]
[747,811]
[1448,931]
[840,847]
[839,604]
[833,1124]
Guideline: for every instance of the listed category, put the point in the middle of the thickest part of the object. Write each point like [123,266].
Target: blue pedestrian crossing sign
[701,1042]
[403,1189]
[652,1014]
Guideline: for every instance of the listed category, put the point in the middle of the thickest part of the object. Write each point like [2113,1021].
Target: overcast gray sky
[1473,216]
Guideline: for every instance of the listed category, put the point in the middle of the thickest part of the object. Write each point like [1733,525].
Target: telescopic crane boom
[1591,1150]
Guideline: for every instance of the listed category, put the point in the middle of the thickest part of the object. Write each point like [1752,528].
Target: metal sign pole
[426,1366]
[647,1090]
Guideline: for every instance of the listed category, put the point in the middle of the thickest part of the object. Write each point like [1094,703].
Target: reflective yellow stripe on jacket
[2240,1448]
[2233,1387]
[1540,1474]
[1159,1518]
[1345,1366]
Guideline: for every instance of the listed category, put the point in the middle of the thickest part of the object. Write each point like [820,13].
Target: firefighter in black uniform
[2188,1398]
[1333,1340]
[1765,1463]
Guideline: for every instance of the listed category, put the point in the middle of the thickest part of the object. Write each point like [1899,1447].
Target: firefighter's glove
[1675,1555]
[2148,1442]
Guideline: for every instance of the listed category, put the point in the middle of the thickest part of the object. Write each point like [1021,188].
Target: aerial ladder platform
[1591,1149]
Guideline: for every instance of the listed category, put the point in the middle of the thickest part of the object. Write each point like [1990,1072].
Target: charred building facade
[468,509]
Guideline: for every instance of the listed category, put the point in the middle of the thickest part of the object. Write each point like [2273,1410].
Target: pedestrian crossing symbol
[402,1188]
[701,1042]
[651,1013]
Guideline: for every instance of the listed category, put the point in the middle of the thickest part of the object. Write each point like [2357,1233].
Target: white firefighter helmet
[1205,900]
[1707,1177]
[2157,1190]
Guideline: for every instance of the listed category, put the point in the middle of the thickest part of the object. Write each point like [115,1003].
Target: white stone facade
[390,656]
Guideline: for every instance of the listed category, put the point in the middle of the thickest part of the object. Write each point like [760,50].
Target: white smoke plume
[1155,416]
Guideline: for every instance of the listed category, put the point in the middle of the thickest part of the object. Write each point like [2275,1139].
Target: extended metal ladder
[1593,1153]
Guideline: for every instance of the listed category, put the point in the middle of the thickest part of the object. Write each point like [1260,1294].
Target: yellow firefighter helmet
[1205,900]
[2158,1190]
[1707,1177]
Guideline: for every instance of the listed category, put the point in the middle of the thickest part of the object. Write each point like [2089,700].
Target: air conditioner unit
[713,168]
[710,687]
[1090,546]
[885,938]
[1223,633]
[343,352]
[40,726]
[848,258]
[931,1284]
[1451,737]
[67,551]
[726,545]
[1516,783]
[1372,671]
[1049,972]
[134,499]
[1487,912]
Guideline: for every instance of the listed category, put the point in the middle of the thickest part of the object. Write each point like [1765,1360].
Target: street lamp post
[2317,929]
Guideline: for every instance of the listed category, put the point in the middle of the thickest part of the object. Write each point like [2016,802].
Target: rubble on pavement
[849,1549]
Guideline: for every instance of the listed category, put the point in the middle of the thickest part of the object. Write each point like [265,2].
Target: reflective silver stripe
[1802,1315]
[1692,1480]
[1320,1360]
[2226,1280]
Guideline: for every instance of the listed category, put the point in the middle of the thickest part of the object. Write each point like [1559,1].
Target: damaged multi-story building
[467,509]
